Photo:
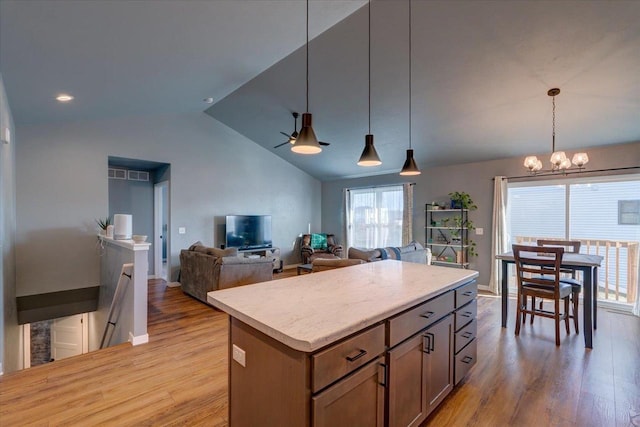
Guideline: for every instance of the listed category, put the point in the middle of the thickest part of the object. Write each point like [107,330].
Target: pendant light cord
[369,67]
[307,49]
[409,74]
[553,129]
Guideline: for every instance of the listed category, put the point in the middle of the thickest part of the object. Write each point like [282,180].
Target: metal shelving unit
[447,236]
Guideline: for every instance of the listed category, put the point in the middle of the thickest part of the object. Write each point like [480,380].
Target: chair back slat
[570,246]
[538,265]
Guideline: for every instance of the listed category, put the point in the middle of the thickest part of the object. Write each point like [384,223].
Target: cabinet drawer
[337,361]
[466,314]
[465,335]
[465,360]
[466,293]
[408,323]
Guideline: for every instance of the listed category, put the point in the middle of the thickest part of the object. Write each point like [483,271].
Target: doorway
[133,191]
[56,339]
[161,229]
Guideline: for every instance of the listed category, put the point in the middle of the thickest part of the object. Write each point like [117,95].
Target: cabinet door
[439,356]
[357,400]
[407,383]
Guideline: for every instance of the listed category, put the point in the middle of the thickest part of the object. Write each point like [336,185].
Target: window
[600,212]
[375,216]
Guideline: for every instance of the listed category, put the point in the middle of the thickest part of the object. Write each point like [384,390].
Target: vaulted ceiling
[480,72]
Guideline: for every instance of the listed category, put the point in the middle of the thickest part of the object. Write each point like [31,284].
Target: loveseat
[413,252]
[204,269]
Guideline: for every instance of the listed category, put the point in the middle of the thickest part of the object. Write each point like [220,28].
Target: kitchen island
[373,344]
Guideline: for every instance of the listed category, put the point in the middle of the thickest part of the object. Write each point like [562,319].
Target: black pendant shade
[369,155]
[306,142]
[410,167]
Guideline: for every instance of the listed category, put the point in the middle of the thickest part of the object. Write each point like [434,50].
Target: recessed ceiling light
[208,100]
[63,97]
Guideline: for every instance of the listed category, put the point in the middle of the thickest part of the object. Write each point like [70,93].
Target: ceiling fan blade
[280,145]
[323,143]
[285,134]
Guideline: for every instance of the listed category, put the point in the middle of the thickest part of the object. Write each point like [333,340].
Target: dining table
[586,263]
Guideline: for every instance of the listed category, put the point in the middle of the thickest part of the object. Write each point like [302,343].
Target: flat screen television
[247,232]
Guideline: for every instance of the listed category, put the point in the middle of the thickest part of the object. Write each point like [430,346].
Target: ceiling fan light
[369,155]
[410,167]
[306,142]
[580,159]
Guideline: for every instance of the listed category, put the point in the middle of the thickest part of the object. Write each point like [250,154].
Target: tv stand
[273,253]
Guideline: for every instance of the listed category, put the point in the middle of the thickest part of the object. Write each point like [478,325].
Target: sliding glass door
[603,213]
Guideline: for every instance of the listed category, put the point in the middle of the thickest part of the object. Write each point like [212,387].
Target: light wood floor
[180,376]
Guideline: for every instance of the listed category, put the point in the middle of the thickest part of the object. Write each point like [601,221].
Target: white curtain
[346,226]
[636,306]
[499,241]
[407,214]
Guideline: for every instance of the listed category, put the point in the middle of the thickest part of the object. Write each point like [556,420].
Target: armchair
[314,246]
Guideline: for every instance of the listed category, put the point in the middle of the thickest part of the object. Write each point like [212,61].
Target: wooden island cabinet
[370,345]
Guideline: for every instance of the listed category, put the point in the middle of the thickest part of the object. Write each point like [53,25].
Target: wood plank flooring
[180,376]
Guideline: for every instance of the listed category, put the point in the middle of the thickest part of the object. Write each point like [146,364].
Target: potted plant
[459,224]
[103,224]
[462,200]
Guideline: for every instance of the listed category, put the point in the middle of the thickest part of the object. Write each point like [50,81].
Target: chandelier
[559,160]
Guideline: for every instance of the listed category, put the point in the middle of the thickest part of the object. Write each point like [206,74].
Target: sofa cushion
[222,252]
[364,254]
[214,251]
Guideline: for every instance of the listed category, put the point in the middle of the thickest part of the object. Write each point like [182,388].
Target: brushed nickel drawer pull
[467,314]
[427,315]
[357,356]
[467,335]
[468,293]
[467,359]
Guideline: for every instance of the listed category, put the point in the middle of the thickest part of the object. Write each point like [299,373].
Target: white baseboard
[173,284]
[140,339]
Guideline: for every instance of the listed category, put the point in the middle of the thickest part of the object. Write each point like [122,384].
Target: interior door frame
[158,235]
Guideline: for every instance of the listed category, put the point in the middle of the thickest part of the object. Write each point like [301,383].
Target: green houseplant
[462,200]
[103,223]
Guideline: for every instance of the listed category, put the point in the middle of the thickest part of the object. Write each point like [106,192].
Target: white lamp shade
[557,157]
[530,162]
[580,159]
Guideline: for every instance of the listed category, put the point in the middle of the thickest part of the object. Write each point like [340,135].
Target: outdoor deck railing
[618,274]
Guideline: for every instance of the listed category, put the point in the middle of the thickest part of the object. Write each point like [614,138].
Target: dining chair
[569,276]
[538,274]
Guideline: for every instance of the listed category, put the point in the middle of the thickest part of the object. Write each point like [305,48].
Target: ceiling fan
[292,137]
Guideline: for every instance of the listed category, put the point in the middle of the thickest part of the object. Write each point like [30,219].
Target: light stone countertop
[310,311]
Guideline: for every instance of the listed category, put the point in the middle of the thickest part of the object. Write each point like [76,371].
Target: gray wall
[474,178]
[10,355]
[62,187]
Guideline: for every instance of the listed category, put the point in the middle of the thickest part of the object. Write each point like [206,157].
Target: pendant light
[410,167]
[559,160]
[307,142]
[369,156]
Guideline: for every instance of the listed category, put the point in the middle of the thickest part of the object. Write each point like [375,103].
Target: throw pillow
[319,241]
[222,252]
[196,244]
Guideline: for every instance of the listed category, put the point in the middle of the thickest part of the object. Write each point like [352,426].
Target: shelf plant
[462,200]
